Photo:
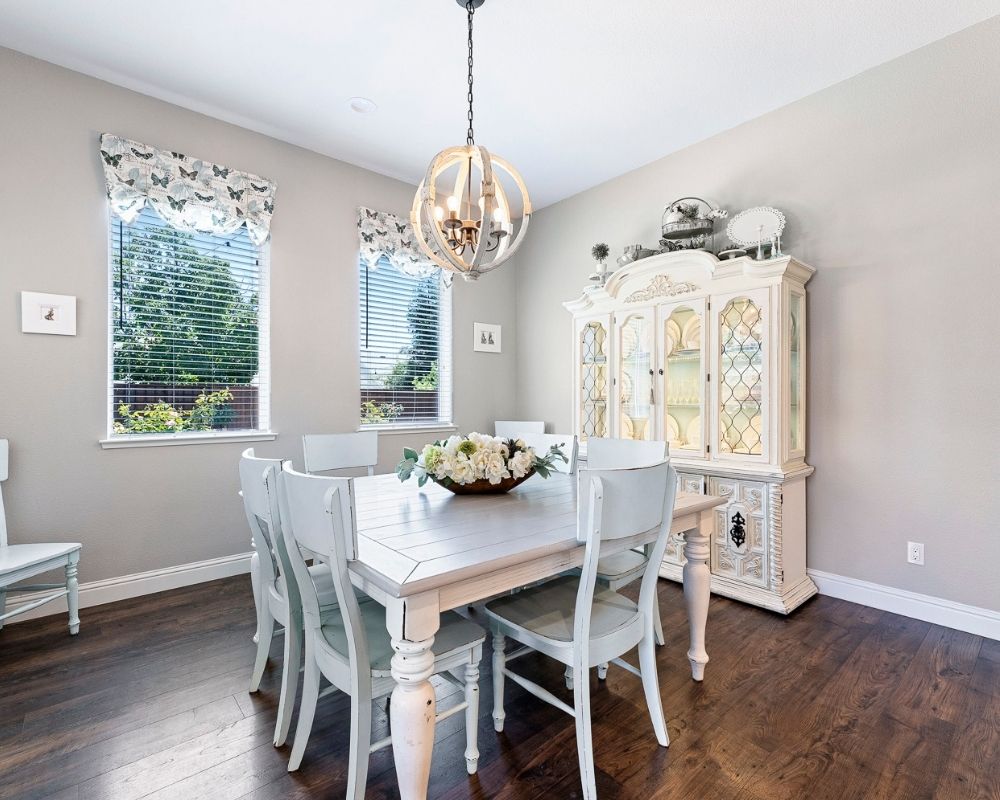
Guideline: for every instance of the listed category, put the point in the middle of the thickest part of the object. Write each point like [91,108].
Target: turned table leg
[697,592]
[413,707]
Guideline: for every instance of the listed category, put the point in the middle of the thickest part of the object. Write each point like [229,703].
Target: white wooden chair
[513,429]
[328,451]
[275,590]
[582,624]
[350,645]
[543,441]
[627,566]
[20,561]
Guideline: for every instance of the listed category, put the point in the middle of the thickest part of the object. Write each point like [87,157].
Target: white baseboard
[972,619]
[109,590]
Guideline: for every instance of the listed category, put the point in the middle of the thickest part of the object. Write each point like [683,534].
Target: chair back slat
[328,451]
[313,509]
[542,442]
[514,429]
[261,507]
[620,453]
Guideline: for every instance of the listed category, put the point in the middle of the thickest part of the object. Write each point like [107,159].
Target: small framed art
[486,337]
[48,313]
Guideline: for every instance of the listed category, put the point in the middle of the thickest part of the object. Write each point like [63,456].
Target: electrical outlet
[915,553]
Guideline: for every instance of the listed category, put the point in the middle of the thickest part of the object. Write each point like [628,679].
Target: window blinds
[405,347]
[188,319]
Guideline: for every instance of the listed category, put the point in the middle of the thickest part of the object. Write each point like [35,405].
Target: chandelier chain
[470,137]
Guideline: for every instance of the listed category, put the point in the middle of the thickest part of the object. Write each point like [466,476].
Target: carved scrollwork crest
[661,286]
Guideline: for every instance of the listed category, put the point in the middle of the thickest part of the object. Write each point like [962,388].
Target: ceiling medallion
[486,206]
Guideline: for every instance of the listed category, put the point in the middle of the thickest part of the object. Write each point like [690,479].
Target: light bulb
[452,203]
[438,213]
[498,216]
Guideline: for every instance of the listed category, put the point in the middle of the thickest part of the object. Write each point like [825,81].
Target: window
[405,348]
[188,331]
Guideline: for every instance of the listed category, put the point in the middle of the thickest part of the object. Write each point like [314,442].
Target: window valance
[188,193]
[385,235]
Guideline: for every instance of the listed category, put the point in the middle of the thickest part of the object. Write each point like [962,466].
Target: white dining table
[422,551]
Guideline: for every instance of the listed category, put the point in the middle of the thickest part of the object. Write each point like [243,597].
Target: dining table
[424,550]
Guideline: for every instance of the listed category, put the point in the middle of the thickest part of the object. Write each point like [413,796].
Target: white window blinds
[405,347]
[188,330]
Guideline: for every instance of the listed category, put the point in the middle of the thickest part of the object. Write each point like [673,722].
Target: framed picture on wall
[486,337]
[48,313]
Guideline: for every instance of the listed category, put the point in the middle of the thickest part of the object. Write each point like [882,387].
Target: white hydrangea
[476,457]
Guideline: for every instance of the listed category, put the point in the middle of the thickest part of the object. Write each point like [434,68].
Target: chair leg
[651,687]
[73,596]
[307,711]
[584,742]
[289,679]
[265,627]
[258,600]
[499,661]
[472,717]
[361,743]
[657,625]
[602,671]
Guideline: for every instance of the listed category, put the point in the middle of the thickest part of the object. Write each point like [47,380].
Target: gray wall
[891,185]
[142,509]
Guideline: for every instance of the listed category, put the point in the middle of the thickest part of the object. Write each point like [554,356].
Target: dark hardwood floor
[835,701]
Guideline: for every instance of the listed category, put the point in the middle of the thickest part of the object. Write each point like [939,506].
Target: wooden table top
[413,539]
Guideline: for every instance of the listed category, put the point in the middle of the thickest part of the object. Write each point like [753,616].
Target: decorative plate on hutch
[755,225]
[691,335]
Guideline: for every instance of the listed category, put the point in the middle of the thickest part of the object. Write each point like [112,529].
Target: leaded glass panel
[636,389]
[593,381]
[741,333]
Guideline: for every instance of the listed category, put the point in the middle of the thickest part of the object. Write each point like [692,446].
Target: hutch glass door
[742,382]
[635,376]
[593,381]
[684,377]
[796,350]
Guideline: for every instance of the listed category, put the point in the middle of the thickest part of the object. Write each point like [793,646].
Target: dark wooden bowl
[485,487]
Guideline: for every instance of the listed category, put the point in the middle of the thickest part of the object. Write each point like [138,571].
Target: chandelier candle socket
[471,210]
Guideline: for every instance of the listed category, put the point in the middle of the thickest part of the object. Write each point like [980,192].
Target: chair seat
[621,566]
[547,610]
[455,633]
[14,557]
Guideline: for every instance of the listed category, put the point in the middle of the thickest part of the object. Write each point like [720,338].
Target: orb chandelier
[486,208]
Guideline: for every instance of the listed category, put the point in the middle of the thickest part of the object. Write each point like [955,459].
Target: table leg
[697,591]
[413,708]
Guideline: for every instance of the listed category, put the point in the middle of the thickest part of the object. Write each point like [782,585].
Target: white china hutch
[710,356]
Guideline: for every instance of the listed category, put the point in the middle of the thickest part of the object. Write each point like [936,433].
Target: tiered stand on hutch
[710,356]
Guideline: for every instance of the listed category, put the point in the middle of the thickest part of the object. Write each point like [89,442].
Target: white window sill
[410,428]
[174,439]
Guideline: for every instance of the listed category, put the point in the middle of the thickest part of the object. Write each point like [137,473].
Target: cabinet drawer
[740,540]
[690,482]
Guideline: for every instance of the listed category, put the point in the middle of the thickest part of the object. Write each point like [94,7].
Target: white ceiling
[573,93]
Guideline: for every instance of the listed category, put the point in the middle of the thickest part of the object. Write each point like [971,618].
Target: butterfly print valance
[187,192]
[384,235]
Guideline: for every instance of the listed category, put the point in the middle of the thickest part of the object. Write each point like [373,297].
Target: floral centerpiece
[477,463]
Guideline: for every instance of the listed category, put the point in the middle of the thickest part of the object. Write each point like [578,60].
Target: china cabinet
[710,356]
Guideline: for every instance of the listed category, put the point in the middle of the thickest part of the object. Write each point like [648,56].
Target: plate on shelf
[693,432]
[755,225]
[674,332]
[691,333]
[673,431]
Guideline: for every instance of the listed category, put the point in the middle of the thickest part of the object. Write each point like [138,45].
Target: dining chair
[21,561]
[349,645]
[541,442]
[327,451]
[626,566]
[581,623]
[276,592]
[512,429]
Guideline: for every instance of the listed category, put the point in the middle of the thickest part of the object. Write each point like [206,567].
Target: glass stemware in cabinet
[684,380]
